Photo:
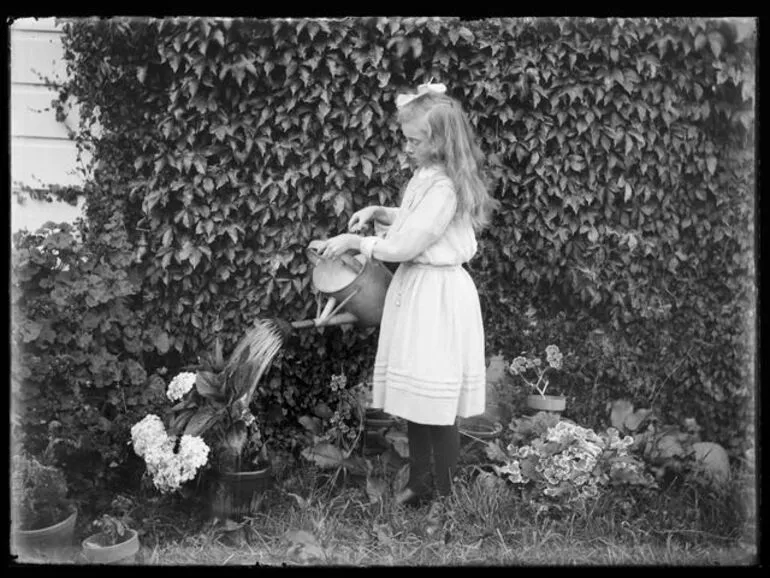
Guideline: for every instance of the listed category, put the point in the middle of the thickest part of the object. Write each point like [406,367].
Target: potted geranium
[211,423]
[558,460]
[530,366]
[115,541]
[43,523]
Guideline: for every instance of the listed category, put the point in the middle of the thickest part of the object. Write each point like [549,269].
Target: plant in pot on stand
[115,542]
[523,366]
[212,425]
[43,524]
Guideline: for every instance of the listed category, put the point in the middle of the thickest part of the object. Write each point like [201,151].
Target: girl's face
[416,142]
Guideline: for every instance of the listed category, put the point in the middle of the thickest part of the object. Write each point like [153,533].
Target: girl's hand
[336,246]
[361,218]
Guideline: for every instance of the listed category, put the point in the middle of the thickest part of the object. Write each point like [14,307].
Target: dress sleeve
[423,226]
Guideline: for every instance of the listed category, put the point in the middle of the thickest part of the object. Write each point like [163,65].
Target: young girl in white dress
[430,365]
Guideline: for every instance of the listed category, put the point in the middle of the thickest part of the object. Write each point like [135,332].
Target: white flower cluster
[169,469]
[553,356]
[147,433]
[180,385]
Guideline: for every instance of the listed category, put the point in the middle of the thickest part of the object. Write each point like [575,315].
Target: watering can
[354,287]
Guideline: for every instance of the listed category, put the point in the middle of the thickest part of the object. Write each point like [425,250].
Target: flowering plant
[114,528]
[556,458]
[521,365]
[211,417]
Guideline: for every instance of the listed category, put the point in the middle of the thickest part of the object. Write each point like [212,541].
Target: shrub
[620,149]
[40,492]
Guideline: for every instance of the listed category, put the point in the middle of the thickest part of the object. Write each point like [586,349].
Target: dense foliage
[622,152]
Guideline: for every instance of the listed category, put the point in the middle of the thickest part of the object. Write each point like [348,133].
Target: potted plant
[115,542]
[43,524]
[540,401]
[556,461]
[212,424]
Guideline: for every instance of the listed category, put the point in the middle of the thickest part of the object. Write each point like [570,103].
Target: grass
[311,517]
[308,520]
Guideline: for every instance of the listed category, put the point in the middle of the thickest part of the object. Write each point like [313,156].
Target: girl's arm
[423,227]
[385,215]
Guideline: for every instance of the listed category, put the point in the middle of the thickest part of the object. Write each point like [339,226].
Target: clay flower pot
[51,541]
[121,553]
[377,419]
[240,493]
[479,428]
[555,403]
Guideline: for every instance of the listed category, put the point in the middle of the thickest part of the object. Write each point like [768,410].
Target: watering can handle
[314,256]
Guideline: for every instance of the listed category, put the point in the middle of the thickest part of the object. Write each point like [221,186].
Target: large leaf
[209,384]
[619,410]
[311,424]
[325,455]
[495,452]
[202,420]
[400,442]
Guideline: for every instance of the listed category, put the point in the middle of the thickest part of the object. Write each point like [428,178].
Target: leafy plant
[40,492]
[214,404]
[559,460]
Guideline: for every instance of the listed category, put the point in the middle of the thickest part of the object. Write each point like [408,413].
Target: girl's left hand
[336,246]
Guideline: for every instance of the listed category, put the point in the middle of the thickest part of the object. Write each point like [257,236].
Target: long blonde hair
[451,142]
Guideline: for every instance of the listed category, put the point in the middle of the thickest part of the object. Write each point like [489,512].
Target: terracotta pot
[240,493]
[376,419]
[122,553]
[52,541]
[479,428]
[539,402]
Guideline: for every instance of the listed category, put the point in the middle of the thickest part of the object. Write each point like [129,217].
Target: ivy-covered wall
[622,152]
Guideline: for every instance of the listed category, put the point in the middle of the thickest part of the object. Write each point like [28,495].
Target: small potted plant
[211,424]
[115,542]
[522,366]
[44,522]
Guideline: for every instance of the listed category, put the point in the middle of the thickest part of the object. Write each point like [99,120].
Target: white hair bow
[404,99]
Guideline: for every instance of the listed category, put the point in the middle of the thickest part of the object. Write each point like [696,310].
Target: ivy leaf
[162,342]
[367,166]
[711,163]
[339,205]
[716,41]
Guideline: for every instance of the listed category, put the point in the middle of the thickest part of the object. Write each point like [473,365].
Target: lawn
[311,517]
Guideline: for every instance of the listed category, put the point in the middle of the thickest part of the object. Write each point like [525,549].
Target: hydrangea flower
[168,469]
[180,385]
[147,433]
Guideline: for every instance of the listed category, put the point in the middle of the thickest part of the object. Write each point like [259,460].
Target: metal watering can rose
[355,289]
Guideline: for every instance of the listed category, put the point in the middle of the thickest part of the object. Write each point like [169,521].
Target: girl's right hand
[361,218]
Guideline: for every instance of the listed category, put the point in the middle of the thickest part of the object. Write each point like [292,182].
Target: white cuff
[367,246]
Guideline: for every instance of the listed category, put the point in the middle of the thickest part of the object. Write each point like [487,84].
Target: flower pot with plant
[211,424]
[43,524]
[523,367]
[115,542]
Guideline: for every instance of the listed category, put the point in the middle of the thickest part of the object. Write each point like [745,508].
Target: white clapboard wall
[41,152]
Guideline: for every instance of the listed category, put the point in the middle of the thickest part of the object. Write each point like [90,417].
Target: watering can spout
[355,288]
[338,319]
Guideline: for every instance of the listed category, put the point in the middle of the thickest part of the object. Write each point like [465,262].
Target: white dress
[430,365]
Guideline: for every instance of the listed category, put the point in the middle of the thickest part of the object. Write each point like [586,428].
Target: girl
[430,365]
